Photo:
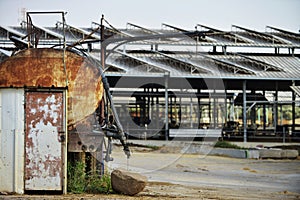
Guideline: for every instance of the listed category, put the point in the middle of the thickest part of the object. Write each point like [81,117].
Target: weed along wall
[45,96]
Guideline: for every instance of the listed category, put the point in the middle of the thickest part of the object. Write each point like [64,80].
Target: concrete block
[278,153]
[234,153]
[252,154]
[289,153]
[270,153]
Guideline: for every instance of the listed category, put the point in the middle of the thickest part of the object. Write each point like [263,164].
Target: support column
[253,111]
[198,108]
[157,111]
[180,108]
[264,114]
[226,109]
[244,111]
[166,105]
[232,110]
[214,49]
[215,115]
[191,112]
[293,111]
[275,107]
[171,109]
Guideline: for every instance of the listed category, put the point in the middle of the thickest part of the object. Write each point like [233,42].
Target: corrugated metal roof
[244,38]
[180,56]
[229,66]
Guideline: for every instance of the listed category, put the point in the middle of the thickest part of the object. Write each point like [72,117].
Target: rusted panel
[44,68]
[85,142]
[43,147]
[12,140]
[83,136]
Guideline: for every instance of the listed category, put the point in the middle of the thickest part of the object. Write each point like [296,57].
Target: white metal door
[43,140]
[12,140]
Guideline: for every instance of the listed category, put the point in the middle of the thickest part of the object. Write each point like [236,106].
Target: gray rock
[128,183]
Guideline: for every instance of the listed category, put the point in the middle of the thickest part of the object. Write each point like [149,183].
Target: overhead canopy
[146,52]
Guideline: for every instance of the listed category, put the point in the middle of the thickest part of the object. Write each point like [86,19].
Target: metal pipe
[64,49]
[121,134]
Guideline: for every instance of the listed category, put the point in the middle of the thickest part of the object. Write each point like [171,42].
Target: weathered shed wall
[12,140]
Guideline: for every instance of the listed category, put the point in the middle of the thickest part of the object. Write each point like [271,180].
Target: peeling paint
[44,120]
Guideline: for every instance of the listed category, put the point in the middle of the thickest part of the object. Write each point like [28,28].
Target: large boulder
[128,183]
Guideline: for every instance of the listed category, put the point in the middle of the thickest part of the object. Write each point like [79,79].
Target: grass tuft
[80,181]
[225,144]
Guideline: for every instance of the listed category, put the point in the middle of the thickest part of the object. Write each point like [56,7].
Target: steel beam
[244,111]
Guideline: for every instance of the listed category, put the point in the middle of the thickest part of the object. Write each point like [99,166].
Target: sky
[220,14]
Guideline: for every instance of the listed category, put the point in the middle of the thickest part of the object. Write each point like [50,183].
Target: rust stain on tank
[44,68]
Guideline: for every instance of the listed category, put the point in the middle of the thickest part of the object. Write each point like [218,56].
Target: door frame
[63,131]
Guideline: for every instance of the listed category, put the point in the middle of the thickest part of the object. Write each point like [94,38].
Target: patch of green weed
[80,181]
[225,144]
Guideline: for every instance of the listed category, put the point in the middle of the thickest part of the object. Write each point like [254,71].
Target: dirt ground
[174,175]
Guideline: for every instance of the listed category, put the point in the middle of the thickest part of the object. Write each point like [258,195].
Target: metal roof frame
[145,30]
[234,66]
[113,30]
[11,30]
[266,66]
[262,39]
[173,27]
[46,31]
[186,63]
[287,34]
[117,66]
[152,32]
[264,36]
[285,31]
[193,66]
[147,62]
[77,30]
[228,35]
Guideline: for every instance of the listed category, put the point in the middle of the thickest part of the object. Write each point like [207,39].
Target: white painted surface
[12,140]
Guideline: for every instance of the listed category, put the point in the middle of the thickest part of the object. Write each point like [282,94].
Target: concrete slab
[207,148]
[277,153]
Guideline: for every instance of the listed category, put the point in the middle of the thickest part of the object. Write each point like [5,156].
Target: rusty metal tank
[45,68]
